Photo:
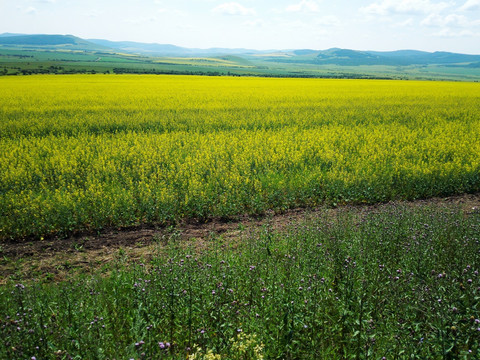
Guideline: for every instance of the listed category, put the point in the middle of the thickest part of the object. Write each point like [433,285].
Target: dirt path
[55,259]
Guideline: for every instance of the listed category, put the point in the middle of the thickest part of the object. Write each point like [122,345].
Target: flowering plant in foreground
[394,282]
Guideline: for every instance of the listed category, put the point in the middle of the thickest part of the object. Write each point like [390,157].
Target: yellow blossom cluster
[242,347]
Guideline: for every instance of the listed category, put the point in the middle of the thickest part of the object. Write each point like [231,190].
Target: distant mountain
[38,40]
[225,51]
[136,47]
[76,43]
[48,42]
[347,57]
[168,49]
[425,58]
[10,34]
[334,56]
[303,52]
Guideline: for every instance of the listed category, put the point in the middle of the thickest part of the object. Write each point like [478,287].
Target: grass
[395,283]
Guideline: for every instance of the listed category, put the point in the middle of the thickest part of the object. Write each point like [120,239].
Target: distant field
[24,61]
[85,152]
[226,61]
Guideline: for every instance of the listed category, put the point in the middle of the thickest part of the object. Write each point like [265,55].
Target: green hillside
[48,42]
[67,54]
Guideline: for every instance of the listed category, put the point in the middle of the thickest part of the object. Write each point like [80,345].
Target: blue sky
[430,25]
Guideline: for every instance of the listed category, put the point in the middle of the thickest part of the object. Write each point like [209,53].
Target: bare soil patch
[57,258]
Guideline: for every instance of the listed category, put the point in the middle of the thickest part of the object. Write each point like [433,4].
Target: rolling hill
[169,50]
[43,42]
[335,56]
[347,57]
[40,53]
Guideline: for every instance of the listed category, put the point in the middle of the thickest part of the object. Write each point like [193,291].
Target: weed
[399,283]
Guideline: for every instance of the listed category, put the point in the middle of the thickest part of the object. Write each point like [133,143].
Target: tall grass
[398,283]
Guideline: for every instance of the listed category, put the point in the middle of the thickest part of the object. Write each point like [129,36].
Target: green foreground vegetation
[395,283]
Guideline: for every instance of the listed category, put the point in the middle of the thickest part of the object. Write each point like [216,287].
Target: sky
[429,25]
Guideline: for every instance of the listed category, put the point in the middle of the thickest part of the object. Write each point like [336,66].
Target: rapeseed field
[85,152]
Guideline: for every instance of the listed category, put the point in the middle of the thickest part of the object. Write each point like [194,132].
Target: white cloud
[171,12]
[93,14]
[414,7]
[449,33]
[321,27]
[30,10]
[255,23]
[142,20]
[329,20]
[233,8]
[293,24]
[452,20]
[304,6]
[407,23]
[471,5]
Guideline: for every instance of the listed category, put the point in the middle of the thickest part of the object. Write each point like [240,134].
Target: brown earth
[58,258]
